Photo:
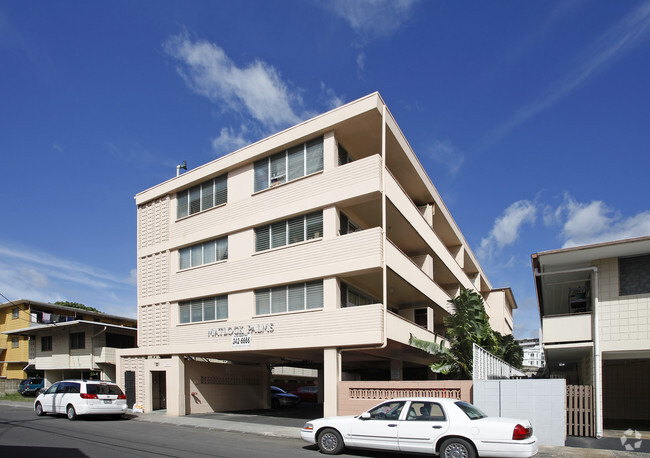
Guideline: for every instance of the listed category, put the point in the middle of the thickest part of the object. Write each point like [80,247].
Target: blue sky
[532,119]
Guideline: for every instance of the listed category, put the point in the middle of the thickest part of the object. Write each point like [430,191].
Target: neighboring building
[63,342]
[324,247]
[533,353]
[499,308]
[594,303]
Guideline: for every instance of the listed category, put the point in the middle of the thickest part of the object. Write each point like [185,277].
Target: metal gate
[579,411]
[129,388]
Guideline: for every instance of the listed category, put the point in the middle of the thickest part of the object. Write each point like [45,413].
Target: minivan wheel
[39,409]
[72,414]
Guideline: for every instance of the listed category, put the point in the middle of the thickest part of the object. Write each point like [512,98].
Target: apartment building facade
[324,247]
[594,304]
[61,342]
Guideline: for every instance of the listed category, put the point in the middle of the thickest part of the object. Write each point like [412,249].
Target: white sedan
[447,427]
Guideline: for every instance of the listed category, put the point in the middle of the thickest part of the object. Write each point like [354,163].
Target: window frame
[269,236]
[188,253]
[77,340]
[15,313]
[631,278]
[284,296]
[218,197]
[189,309]
[46,343]
[280,168]
[347,289]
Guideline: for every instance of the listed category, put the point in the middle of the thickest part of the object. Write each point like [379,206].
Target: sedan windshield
[472,412]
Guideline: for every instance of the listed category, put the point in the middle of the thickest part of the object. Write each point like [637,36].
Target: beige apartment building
[594,303]
[324,246]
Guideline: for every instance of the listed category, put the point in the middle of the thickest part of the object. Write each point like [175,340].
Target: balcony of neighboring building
[566,305]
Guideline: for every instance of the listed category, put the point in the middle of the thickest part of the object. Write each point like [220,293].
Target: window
[634,275]
[289,231]
[425,411]
[77,340]
[289,298]
[46,343]
[347,226]
[289,165]
[15,342]
[202,197]
[471,411]
[387,411]
[15,313]
[206,309]
[344,157]
[204,253]
[420,317]
[351,297]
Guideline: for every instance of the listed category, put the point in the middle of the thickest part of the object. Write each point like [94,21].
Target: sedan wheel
[72,414]
[330,442]
[457,448]
[39,409]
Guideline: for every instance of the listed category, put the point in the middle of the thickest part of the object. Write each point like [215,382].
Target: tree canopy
[468,325]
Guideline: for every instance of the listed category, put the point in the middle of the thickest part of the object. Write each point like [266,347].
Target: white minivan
[81,397]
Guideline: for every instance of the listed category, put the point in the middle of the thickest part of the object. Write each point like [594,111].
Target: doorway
[159,390]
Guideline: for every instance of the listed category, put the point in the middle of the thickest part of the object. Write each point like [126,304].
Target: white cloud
[372,19]
[228,141]
[31,274]
[618,39]
[361,60]
[256,89]
[507,227]
[332,99]
[443,152]
[595,222]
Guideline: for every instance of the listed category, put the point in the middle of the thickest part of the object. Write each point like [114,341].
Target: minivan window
[93,388]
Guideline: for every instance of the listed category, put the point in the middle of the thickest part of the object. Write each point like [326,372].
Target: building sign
[241,341]
[241,335]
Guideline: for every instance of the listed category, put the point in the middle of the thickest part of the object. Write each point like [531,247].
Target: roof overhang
[583,256]
[33,330]
[65,308]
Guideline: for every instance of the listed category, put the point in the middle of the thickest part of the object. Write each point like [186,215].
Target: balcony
[572,328]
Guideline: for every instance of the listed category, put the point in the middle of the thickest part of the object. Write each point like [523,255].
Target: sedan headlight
[308,427]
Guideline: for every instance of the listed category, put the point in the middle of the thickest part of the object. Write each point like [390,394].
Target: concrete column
[331,294]
[176,392]
[396,369]
[330,151]
[331,377]
[431,316]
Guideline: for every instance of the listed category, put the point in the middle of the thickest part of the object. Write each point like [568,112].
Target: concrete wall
[9,386]
[355,397]
[624,321]
[214,387]
[540,401]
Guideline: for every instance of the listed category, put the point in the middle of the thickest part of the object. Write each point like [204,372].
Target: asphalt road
[23,434]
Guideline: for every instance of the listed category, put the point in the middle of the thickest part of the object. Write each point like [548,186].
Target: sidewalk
[270,426]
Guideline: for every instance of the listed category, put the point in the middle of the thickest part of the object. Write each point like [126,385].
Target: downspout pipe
[597,361]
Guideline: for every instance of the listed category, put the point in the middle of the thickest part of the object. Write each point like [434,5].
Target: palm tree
[468,325]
